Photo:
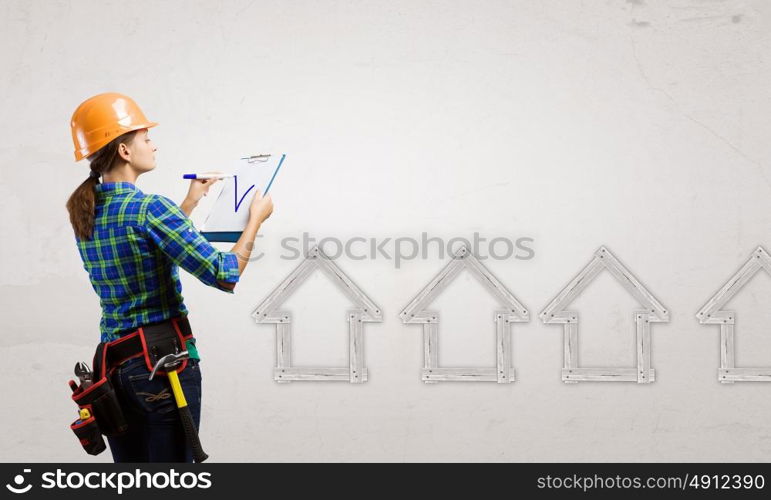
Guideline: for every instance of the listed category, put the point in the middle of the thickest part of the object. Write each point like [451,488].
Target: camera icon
[19,481]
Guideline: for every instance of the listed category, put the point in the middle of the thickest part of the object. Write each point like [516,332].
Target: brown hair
[81,204]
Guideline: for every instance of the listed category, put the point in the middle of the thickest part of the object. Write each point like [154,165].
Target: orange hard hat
[102,118]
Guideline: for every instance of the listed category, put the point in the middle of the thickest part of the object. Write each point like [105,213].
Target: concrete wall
[641,125]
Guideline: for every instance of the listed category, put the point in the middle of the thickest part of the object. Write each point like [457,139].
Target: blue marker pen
[207,176]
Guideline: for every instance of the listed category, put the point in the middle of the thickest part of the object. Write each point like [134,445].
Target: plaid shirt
[133,257]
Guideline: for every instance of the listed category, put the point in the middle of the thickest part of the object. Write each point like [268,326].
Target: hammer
[168,363]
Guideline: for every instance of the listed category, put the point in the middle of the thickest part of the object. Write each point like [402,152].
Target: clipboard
[230,212]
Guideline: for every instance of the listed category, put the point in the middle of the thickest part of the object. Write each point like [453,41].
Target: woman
[132,244]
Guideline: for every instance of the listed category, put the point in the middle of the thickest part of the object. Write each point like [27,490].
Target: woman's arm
[187,206]
[243,248]
[259,210]
[176,236]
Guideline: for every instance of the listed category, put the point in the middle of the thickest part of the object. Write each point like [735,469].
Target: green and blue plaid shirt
[133,259]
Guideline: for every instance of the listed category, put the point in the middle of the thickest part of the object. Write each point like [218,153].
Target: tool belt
[106,416]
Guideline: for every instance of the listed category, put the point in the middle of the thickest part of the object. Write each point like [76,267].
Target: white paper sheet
[230,212]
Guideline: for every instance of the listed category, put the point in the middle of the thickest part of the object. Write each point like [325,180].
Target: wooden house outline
[512,311]
[653,312]
[364,311]
[713,314]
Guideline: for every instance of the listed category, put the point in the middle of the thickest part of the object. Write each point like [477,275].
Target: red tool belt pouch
[101,398]
[89,434]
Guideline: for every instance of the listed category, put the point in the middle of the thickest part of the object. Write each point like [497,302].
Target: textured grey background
[636,124]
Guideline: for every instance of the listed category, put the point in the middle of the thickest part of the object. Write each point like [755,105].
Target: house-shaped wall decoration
[714,314]
[512,311]
[364,311]
[652,312]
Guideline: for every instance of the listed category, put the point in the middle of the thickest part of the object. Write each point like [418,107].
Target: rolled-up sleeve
[174,233]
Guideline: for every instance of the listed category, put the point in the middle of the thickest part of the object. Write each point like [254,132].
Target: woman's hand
[261,208]
[198,189]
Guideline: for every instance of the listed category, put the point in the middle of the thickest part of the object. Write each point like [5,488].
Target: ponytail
[82,202]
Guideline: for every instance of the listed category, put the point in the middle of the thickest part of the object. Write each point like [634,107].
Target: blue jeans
[155,432]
